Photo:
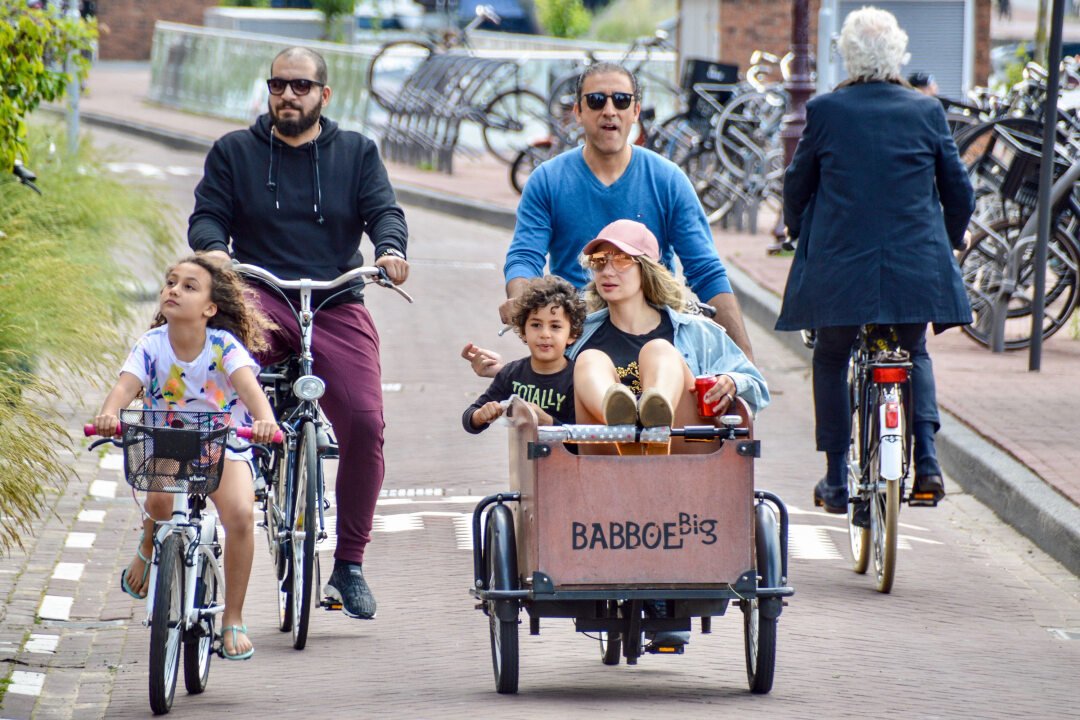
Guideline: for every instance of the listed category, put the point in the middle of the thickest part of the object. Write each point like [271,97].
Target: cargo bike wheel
[760,614]
[167,625]
[611,642]
[500,572]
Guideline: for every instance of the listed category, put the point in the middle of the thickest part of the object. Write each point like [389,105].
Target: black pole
[1046,181]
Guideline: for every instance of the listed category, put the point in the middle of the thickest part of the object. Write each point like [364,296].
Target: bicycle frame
[884,411]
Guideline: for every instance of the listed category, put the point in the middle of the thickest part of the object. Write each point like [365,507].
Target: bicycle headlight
[309,387]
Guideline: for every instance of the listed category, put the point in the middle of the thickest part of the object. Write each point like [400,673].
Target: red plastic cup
[703,383]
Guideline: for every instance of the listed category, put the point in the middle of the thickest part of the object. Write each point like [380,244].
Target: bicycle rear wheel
[858,537]
[276,526]
[166,625]
[884,508]
[512,120]
[199,643]
[304,532]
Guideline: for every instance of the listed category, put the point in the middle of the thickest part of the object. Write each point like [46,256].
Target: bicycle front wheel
[199,644]
[167,625]
[304,532]
[513,119]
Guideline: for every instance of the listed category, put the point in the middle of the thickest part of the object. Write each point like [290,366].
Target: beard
[294,127]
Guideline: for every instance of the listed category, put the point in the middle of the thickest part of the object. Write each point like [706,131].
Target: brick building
[730,30]
[127,26]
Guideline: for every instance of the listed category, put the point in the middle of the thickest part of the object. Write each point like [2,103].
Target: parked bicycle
[293,501]
[182,453]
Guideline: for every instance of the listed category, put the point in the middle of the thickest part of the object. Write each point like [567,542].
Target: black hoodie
[298,212]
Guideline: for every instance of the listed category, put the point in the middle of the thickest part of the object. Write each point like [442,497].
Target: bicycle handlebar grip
[245,434]
[89,430]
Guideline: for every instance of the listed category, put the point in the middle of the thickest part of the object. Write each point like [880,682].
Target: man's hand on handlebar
[396,268]
[485,363]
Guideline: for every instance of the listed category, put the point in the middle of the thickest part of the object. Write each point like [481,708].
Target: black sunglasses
[299,86]
[597,100]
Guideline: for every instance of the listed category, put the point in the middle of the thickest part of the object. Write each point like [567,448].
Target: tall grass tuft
[65,281]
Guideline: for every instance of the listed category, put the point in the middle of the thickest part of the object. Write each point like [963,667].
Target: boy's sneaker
[347,586]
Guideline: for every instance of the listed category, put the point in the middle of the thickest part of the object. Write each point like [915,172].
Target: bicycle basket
[174,451]
[1012,165]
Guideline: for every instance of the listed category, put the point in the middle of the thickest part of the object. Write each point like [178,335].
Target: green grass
[62,275]
[624,20]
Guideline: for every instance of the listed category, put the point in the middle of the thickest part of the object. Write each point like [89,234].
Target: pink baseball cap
[630,236]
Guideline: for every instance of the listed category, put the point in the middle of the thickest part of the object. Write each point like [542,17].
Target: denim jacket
[706,348]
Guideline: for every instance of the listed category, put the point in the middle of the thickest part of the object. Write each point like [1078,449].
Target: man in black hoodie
[295,193]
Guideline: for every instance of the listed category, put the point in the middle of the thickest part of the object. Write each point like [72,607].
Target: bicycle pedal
[665,649]
[922,500]
[330,604]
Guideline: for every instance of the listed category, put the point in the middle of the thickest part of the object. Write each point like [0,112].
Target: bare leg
[234,499]
[594,373]
[159,507]
[662,368]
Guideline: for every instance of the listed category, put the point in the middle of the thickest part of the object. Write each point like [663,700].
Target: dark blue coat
[878,198]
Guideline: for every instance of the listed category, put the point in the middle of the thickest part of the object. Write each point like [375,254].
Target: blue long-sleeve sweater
[564,206]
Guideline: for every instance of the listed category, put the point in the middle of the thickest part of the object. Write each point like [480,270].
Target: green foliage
[624,20]
[563,18]
[62,277]
[33,46]
[1014,71]
[332,10]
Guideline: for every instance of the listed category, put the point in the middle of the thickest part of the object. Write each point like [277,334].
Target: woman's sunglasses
[619,260]
[597,100]
[299,86]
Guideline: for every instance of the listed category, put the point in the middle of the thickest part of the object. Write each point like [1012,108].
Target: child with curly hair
[548,316]
[196,357]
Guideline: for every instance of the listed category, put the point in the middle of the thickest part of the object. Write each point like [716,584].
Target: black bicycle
[293,501]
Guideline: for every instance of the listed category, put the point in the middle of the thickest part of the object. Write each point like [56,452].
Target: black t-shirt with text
[623,348]
[554,393]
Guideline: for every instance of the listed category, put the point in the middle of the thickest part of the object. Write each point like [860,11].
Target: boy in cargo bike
[638,544]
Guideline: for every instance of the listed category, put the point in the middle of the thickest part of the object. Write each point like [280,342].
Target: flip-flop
[235,629]
[146,571]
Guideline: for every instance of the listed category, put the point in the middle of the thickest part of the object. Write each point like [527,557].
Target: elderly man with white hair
[878,198]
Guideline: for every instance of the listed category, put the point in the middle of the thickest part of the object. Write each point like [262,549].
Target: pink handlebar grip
[245,433]
[89,431]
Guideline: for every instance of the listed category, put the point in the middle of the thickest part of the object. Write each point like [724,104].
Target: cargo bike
[630,547]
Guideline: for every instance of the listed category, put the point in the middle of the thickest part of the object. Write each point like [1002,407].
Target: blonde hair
[657,284]
[873,46]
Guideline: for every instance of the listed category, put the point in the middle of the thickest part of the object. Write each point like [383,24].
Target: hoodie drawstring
[271,184]
[318,184]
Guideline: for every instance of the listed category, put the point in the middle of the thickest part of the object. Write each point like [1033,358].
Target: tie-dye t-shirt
[201,385]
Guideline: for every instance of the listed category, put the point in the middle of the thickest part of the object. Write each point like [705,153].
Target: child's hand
[485,363]
[106,424]
[262,431]
[487,413]
[542,418]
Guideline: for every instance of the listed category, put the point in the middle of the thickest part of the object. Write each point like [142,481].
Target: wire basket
[174,451]
[1012,165]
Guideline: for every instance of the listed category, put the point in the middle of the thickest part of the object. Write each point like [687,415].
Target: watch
[391,251]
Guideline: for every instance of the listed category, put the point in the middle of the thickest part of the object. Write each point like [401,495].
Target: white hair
[873,45]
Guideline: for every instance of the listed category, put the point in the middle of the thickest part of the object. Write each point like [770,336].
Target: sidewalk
[1009,436]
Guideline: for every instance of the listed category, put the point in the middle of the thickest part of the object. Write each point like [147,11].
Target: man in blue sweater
[571,197]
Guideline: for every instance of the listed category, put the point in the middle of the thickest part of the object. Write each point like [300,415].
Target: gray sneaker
[347,586]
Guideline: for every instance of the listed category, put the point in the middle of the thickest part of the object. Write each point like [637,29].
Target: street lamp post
[800,86]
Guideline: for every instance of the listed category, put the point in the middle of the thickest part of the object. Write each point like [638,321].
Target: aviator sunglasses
[300,86]
[597,100]
[619,260]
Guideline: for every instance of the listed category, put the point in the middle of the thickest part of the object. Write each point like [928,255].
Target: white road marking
[91,516]
[811,542]
[26,683]
[112,461]
[68,571]
[55,607]
[43,644]
[152,171]
[398,523]
[391,387]
[103,488]
[80,540]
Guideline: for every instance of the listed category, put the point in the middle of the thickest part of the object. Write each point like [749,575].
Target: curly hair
[237,310]
[658,285]
[873,46]
[545,291]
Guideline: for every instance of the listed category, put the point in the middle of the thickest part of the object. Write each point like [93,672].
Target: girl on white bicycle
[196,357]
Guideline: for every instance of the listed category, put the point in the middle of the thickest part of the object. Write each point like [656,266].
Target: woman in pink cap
[639,353]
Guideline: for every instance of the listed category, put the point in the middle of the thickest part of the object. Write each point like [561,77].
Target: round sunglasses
[300,86]
[597,100]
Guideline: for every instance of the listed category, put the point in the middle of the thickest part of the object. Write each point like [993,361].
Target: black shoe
[347,586]
[928,490]
[860,513]
[832,498]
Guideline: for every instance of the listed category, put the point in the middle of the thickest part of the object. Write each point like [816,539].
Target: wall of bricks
[748,25]
[127,26]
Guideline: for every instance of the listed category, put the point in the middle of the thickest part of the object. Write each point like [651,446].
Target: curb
[1010,489]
